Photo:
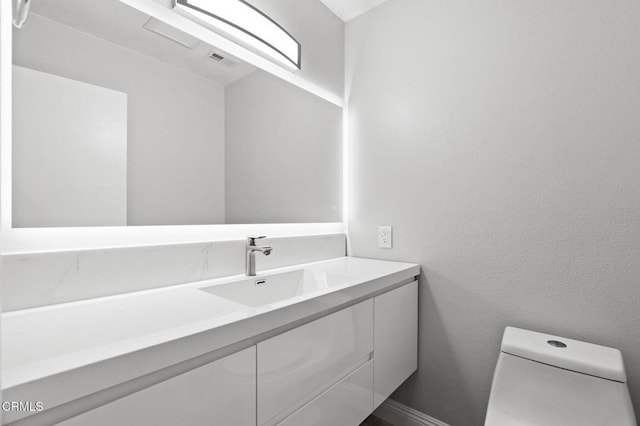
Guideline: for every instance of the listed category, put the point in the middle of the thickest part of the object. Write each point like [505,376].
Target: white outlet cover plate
[385,237]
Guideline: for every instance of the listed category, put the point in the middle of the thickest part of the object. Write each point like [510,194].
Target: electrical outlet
[385,237]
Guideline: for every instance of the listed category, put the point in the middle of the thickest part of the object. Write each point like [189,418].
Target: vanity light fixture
[245,24]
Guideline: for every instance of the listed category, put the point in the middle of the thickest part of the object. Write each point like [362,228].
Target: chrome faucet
[251,249]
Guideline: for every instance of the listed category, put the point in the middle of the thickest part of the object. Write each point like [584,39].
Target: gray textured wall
[500,139]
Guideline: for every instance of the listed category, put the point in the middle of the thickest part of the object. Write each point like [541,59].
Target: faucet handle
[252,240]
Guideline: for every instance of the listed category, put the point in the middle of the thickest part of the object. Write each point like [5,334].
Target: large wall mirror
[120,119]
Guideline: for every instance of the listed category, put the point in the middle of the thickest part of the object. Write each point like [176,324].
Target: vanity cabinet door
[348,402]
[299,365]
[220,393]
[396,339]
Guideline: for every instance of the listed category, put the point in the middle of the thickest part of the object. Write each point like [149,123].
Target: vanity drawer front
[396,339]
[219,393]
[297,366]
[348,402]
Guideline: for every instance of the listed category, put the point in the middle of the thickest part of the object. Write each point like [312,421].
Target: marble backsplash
[37,279]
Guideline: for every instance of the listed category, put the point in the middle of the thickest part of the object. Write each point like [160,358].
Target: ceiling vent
[222,60]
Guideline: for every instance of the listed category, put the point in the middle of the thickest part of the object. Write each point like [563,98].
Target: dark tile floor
[374,421]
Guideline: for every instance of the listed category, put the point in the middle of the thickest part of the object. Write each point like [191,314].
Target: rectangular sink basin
[269,289]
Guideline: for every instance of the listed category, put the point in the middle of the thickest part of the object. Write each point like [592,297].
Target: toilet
[552,381]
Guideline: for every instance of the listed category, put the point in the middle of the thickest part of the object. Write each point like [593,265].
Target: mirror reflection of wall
[283,153]
[207,141]
[71,145]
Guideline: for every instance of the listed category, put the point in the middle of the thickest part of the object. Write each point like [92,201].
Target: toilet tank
[548,380]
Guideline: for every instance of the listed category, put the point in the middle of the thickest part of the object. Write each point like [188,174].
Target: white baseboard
[400,415]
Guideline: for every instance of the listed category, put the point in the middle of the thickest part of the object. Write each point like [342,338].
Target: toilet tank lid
[573,355]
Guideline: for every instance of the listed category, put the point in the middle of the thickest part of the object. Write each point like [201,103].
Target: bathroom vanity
[320,343]
[143,147]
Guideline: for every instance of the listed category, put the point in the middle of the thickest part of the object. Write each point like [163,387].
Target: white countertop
[112,339]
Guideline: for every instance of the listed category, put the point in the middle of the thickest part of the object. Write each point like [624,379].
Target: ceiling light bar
[244,23]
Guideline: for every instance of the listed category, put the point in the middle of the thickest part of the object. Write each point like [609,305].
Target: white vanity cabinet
[396,339]
[334,370]
[338,369]
[314,368]
[327,360]
[348,402]
[220,393]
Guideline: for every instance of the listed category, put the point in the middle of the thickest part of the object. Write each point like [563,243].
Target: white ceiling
[349,9]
